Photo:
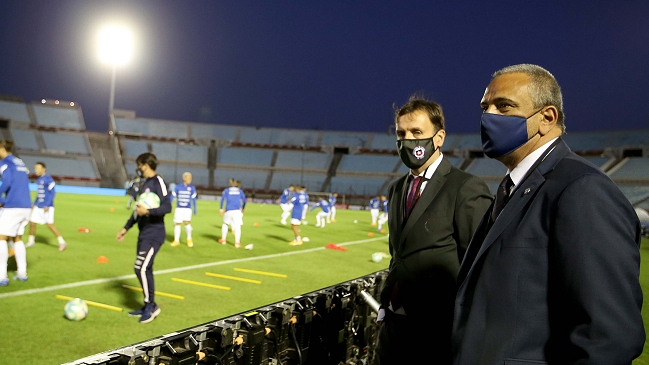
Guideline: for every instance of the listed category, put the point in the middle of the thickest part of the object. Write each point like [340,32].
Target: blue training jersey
[185,196]
[299,201]
[324,205]
[233,198]
[332,200]
[375,203]
[286,196]
[385,205]
[46,191]
[14,191]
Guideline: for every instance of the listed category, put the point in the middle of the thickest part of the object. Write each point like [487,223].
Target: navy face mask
[415,152]
[503,134]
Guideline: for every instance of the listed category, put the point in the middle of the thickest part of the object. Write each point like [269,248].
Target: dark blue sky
[336,65]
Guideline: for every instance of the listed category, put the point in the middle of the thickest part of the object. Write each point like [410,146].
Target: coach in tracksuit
[152,232]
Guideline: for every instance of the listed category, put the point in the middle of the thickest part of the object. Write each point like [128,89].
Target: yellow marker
[162,294]
[261,272]
[93,304]
[200,284]
[233,278]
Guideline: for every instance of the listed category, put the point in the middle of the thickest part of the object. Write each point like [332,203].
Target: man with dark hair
[551,274]
[234,201]
[43,207]
[152,235]
[433,210]
[15,206]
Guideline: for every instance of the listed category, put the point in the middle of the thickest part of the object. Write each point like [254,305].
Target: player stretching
[152,233]
[285,203]
[43,207]
[375,204]
[185,194]
[384,212]
[235,202]
[332,207]
[300,203]
[323,215]
[15,207]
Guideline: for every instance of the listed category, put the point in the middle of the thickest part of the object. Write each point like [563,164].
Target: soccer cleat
[62,247]
[29,244]
[222,241]
[295,243]
[190,242]
[373,224]
[333,220]
[283,222]
[4,282]
[20,278]
[237,244]
[151,310]
[137,312]
[174,244]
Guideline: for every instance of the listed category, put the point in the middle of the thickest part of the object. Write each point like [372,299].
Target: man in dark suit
[433,212]
[551,275]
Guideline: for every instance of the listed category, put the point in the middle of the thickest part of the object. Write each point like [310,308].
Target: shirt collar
[431,169]
[519,172]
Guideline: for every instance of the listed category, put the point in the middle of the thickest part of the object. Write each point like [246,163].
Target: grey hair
[544,89]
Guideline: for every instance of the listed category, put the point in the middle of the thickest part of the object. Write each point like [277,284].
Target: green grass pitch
[34,330]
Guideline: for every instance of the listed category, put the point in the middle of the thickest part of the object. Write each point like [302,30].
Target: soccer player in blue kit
[152,233]
[323,215]
[332,207]
[235,202]
[383,217]
[15,207]
[285,203]
[185,195]
[375,204]
[43,207]
[300,201]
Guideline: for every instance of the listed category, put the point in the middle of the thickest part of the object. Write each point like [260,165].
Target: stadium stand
[588,141]
[76,143]
[370,163]
[631,168]
[58,117]
[244,156]
[64,168]
[14,111]
[25,139]
[303,159]
[312,181]
[344,139]
[359,185]
[295,137]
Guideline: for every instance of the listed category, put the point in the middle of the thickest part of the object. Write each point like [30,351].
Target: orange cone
[102,260]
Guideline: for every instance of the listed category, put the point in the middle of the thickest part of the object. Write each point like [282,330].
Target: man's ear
[550,118]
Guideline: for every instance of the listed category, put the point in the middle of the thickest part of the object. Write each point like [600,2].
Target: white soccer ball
[149,199]
[76,309]
[355,221]
[305,239]
[305,222]
[377,257]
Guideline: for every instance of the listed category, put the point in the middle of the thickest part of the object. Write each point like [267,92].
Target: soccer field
[35,331]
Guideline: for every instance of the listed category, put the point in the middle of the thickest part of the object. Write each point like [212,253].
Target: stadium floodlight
[115,48]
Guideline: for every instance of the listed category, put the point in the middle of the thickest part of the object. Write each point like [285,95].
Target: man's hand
[141,210]
[221,211]
[46,209]
[121,234]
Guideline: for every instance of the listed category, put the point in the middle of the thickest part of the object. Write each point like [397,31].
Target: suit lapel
[425,199]
[519,199]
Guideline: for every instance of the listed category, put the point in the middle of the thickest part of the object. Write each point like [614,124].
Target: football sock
[298,238]
[237,234]
[31,240]
[285,215]
[59,238]
[21,258]
[176,233]
[11,243]
[4,255]
[224,231]
[188,230]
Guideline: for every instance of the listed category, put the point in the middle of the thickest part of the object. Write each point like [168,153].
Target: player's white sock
[11,243]
[298,238]
[177,233]
[31,240]
[224,231]
[317,221]
[285,215]
[21,258]
[188,230]
[323,222]
[237,234]
[60,239]
[4,255]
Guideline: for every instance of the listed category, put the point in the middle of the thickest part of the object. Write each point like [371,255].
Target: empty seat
[58,117]
[303,159]
[70,143]
[14,111]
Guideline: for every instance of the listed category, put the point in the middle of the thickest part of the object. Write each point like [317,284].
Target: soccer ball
[377,257]
[149,199]
[76,309]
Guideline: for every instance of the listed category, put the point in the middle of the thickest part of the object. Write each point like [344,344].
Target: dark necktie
[502,196]
[412,195]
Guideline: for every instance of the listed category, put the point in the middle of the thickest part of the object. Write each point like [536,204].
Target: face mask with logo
[415,152]
[503,134]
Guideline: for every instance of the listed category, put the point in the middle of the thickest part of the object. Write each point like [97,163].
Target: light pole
[115,49]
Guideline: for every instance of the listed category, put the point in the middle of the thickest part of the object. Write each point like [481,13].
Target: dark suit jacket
[555,280]
[427,249]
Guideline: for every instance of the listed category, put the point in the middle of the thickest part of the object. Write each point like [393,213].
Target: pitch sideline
[177,269]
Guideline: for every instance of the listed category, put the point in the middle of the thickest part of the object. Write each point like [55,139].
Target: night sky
[332,65]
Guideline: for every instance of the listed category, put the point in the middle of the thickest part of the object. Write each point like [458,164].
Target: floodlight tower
[115,49]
